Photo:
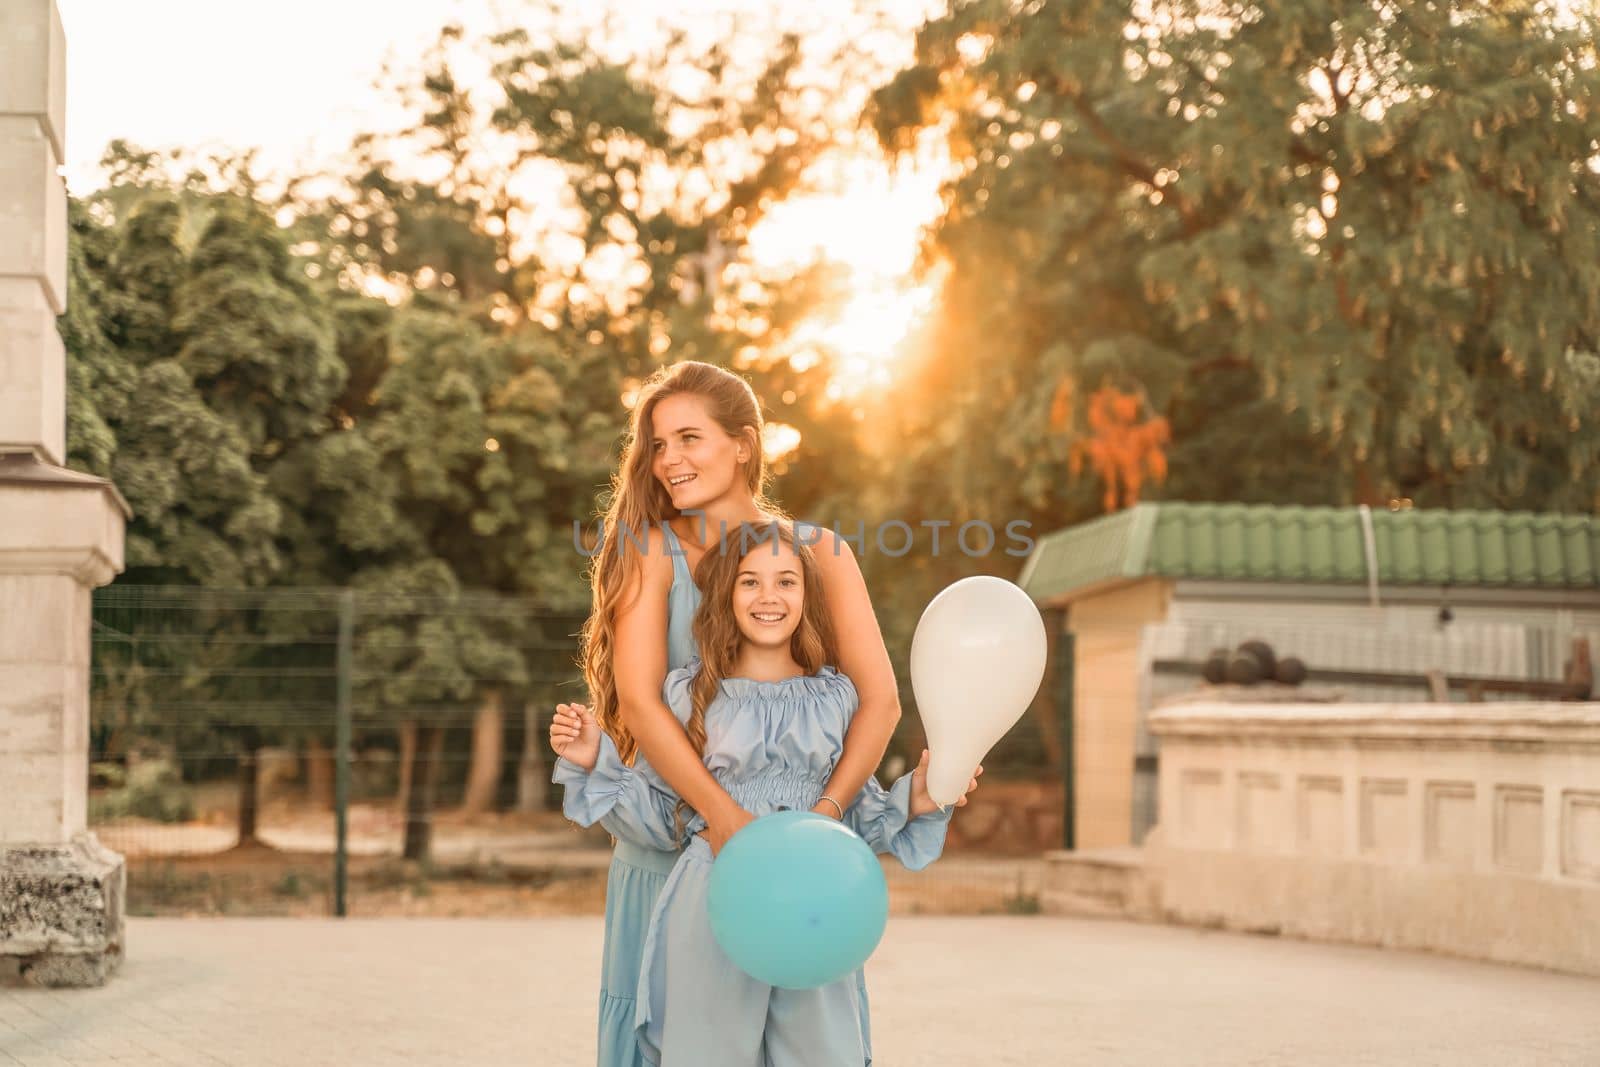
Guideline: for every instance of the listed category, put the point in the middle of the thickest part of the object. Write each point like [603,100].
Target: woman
[692,469]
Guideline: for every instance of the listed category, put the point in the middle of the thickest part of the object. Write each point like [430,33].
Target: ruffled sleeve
[675,690]
[883,819]
[632,803]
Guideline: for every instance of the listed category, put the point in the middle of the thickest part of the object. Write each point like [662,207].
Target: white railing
[1466,828]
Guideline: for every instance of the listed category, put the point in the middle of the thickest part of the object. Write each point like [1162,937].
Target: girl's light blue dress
[638,871]
[773,746]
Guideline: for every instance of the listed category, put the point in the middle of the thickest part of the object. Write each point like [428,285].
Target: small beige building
[1371,601]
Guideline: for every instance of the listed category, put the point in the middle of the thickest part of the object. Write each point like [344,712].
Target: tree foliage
[407,377]
[1378,219]
[1314,253]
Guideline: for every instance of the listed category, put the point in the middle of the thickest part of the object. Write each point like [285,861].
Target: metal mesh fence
[217,718]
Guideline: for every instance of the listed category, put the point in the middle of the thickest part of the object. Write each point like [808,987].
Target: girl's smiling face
[768,594]
[691,455]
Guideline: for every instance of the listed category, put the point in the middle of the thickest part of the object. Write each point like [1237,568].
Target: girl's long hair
[716,630]
[636,502]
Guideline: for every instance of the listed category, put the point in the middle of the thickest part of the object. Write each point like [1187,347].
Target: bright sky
[294,79]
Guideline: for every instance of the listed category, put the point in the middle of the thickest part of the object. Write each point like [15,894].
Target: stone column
[61,533]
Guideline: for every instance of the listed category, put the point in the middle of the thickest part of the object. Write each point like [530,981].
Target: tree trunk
[533,779]
[419,802]
[1366,489]
[249,788]
[488,747]
[319,775]
[408,755]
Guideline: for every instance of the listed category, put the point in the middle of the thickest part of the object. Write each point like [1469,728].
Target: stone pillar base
[61,913]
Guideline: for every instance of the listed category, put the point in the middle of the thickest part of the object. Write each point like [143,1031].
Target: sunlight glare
[868,217]
[778,439]
[867,333]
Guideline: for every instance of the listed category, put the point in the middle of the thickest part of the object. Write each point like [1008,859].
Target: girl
[691,462]
[767,711]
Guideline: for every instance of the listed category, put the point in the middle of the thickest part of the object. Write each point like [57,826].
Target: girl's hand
[575,735]
[921,802]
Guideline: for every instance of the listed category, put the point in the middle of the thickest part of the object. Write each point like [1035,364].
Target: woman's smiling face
[691,455]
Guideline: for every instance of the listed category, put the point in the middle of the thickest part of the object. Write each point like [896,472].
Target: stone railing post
[61,532]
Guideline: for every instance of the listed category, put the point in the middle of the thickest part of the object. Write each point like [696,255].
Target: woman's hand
[575,735]
[828,808]
[727,823]
[921,802]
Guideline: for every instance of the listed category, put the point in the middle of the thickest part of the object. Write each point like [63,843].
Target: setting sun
[867,216]
[868,331]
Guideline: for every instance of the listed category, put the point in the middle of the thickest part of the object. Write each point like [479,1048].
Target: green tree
[1364,235]
[201,511]
[256,338]
[99,378]
[198,361]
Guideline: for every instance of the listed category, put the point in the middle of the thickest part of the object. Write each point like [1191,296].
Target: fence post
[341,751]
[1064,669]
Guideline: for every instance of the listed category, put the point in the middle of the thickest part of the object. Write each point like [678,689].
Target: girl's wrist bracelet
[835,804]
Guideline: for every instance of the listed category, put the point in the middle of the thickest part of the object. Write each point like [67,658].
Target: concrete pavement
[945,991]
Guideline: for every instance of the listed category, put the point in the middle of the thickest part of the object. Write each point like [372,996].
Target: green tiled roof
[1255,542]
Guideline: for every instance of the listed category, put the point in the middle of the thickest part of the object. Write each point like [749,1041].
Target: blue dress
[638,871]
[772,745]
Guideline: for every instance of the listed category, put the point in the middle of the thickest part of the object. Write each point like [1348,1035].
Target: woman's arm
[641,630]
[864,659]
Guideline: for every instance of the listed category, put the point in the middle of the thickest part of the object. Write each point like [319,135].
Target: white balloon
[977,659]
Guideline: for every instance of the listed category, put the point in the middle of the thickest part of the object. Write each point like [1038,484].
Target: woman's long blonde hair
[637,502]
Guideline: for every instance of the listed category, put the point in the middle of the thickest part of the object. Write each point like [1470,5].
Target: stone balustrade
[1471,829]
[61,535]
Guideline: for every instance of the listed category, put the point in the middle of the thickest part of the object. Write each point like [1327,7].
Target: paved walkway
[988,991]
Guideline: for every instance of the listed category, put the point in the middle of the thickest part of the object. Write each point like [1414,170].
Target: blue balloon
[797,900]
